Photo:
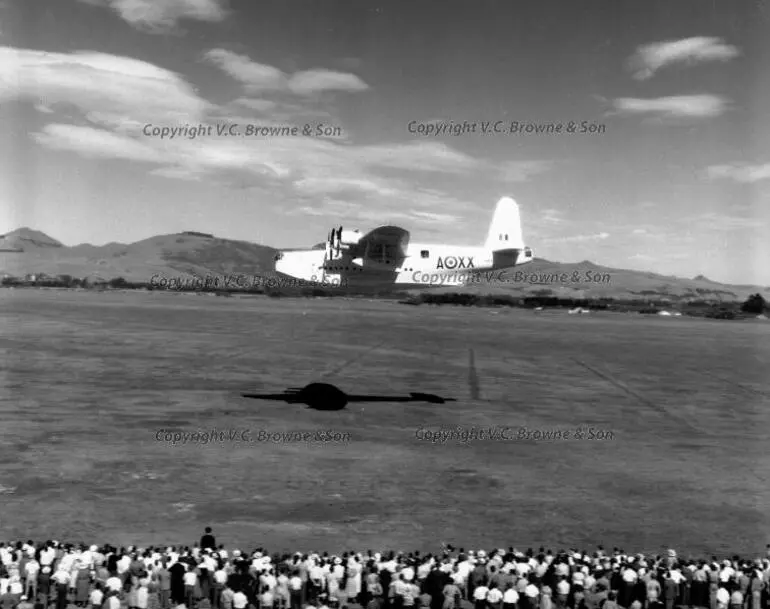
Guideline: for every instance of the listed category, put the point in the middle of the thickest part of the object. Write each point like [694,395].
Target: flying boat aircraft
[387,257]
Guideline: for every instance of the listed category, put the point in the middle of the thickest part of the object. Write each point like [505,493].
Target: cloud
[639,231]
[162,15]
[259,77]
[552,216]
[92,142]
[109,89]
[311,81]
[258,105]
[419,156]
[578,238]
[744,173]
[695,106]
[111,99]
[521,171]
[650,58]
[714,221]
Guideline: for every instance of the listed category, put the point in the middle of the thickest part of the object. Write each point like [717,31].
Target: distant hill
[543,277]
[169,255]
[25,251]
[24,239]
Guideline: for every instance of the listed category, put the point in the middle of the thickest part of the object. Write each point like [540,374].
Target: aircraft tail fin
[505,230]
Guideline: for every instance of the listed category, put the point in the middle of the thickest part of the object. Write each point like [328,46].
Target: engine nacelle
[351,237]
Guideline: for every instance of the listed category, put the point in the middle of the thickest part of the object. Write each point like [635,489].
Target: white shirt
[510,596]
[494,595]
[47,556]
[522,568]
[220,576]
[123,564]
[32,568]
[190,578]
[61,577]
[723,596]
[480,593]
[270,581]
[142,597]
[65,564]
[464,568]
[240,600]
[96,597]
[114,583]
[532,591]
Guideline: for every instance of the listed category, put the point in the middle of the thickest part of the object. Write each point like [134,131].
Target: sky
[674,178]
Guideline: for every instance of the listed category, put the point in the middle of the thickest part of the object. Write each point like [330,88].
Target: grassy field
[89,379]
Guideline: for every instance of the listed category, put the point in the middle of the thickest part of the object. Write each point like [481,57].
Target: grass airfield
[90,379]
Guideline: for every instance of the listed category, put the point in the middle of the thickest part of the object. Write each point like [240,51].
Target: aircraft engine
[351,237]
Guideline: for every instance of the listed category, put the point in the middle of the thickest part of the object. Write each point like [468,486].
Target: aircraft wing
[386,243]
[412,397]
[290,397]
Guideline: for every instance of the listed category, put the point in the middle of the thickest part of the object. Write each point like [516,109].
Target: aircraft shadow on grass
[323,396]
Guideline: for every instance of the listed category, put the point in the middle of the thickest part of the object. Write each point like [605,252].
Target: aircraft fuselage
[424,265]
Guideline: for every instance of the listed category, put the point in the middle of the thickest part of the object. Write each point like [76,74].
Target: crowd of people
[209,576]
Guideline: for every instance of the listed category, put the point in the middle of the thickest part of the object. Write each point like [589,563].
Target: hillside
[610,283]
[26,251]
[26,239]
[168,255]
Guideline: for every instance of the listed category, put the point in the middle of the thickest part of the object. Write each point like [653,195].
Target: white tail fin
[505,230]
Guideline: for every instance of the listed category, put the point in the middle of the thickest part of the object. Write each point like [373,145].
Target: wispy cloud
[161,15]
[552,216]
[678,106]
[109,89]
[93,143]
[650,58]
[258,77]
[721,222]
[578,238]
[740,172]
[521,171]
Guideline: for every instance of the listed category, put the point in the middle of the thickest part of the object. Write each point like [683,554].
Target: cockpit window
[425,254]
